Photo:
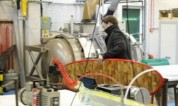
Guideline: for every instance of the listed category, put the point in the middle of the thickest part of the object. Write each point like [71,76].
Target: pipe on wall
[151,16]
[145,29]
[18,4]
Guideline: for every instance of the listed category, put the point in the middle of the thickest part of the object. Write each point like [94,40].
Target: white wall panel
[154,36]
[64,1]
[168,33]
[6,10]
[61,14]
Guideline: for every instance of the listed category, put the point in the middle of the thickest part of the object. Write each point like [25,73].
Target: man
[116,42]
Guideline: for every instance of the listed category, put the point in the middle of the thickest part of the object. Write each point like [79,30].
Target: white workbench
[169,72]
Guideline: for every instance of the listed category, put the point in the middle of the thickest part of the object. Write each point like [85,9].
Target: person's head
[109,21]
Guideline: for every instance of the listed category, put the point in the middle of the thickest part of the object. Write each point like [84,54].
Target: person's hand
[100,59]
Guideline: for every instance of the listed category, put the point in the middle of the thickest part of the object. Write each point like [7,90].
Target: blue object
[88,82]
[10,92]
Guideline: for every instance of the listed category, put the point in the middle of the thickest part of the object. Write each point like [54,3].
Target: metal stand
[169,84]
[35,48]
[13,78]
[161,96]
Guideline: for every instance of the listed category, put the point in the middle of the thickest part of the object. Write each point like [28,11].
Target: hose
[64,73]
[133,80]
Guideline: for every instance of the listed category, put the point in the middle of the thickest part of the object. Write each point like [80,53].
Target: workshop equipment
[141,95]
[37,93]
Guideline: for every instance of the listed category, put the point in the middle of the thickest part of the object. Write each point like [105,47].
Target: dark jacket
[117,44]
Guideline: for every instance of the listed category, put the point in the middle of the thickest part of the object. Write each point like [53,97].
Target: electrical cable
[21,96]
[104,75]
[128,29]
[41,8]
[135,78]
[98,74]
[18,4]
[92,39]
[75,96]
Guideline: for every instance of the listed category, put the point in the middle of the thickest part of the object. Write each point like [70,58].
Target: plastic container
[156,62]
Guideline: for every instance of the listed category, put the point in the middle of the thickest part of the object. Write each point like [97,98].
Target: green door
[134,21]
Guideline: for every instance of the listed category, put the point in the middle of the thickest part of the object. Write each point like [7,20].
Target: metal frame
[4,56]
[14,79]
[169,84]
[35,48]
[161,96]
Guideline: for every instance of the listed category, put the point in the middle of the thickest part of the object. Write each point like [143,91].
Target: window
[133,20]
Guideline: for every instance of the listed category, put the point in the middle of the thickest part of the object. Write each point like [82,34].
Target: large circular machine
[63,47]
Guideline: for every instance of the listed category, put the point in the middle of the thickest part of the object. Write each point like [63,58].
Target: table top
[169,72]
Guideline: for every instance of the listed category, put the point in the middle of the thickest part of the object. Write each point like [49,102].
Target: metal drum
[65,48]
[141,95]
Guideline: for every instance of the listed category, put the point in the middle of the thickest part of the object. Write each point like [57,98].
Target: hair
[110,19]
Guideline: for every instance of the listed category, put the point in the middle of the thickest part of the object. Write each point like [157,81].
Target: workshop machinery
[38,93]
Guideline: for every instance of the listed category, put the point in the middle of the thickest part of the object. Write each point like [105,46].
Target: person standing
[117,44]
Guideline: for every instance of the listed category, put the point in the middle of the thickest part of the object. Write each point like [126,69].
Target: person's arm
[109,12]
[119,45]
[112,7]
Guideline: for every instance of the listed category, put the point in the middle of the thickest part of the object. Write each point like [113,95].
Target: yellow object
[45,33]
[1,90]
[151,105]
[89,9]
[45,19]
[24,7]
[108,97]
[1,77]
